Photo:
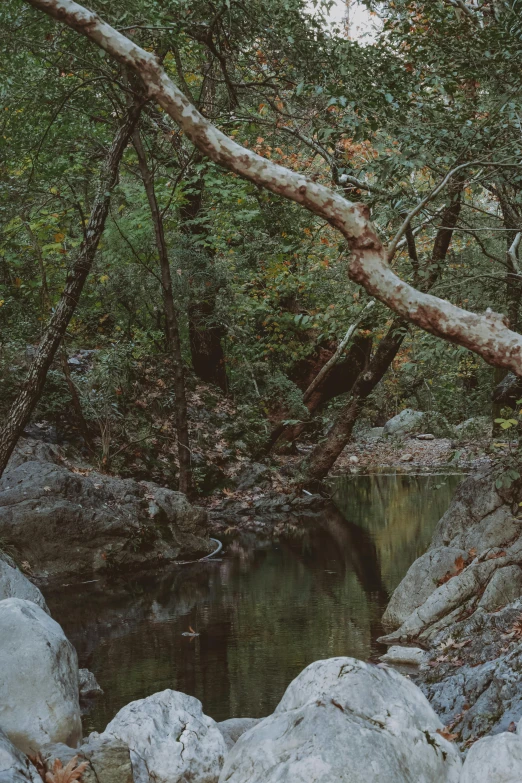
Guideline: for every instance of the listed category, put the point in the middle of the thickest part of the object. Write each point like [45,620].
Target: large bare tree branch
[486,335]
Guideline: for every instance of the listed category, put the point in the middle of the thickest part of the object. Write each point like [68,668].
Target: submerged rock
[345,721]
[67,523]
[39,683]
[89,687]
[15,767]
[169,738]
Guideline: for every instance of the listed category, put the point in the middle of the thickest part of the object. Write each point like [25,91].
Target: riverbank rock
[462,602]
[88,685]
[15,767]
[39,683]
[169,738]
[476,428]
[13,584]
[66,523]
[410,421]
[350,722]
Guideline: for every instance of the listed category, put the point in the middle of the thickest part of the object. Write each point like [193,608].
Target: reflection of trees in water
[263,612]
[398,511]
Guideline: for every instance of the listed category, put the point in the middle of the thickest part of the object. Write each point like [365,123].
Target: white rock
[170,739]
[353,459]
[344,721]
[14,766]
[13,584]
[233,728]
[495,759]
[39,678]
[407,458]
[426,436]
[412,656]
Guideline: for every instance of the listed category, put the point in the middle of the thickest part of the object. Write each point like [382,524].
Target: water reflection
[264,611]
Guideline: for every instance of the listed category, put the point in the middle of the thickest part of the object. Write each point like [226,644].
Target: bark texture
[31,391]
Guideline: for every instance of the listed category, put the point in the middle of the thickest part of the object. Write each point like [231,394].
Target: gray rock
[494,760]
[406,457]
[419,583]
[170,739]
[504,587]
[39,684]
[478,427]
[108,759]
[65,523]
[426,436]
[233,728]
[410,421]
[346,721]
[251,475]
[13,584]
[408,656]
[405,422]
[89,687]
[14,766]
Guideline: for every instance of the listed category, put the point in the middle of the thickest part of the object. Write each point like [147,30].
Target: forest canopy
[188,277]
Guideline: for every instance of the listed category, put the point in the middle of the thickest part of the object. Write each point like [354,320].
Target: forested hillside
[190,286]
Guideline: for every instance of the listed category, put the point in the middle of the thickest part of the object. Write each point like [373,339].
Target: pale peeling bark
[486,335]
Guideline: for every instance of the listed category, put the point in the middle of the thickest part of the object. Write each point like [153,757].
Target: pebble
[426,437]
[406,457]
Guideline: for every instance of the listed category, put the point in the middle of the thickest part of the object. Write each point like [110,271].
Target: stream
[263,610]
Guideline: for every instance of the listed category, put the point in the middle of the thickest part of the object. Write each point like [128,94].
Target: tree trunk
[208,359]
[31,391]
[171,321]
[325,454]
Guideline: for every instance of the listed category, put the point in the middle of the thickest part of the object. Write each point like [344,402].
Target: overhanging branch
[486,335]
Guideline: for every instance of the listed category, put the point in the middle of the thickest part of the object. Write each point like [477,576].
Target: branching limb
[486,335]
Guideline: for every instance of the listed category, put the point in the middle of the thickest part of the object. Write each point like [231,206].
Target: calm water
[264,611]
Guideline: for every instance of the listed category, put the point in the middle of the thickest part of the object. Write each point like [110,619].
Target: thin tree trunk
[171,321]
[208,359]
[31,391]
[73,391]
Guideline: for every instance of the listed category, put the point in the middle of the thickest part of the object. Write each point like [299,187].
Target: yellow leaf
[59,237]
[104,278]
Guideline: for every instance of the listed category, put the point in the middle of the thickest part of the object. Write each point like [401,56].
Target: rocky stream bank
[443,706]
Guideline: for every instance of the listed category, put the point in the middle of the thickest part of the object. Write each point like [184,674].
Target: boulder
[503,588]
[170,739]
[39,684]
[476,428]
[14,766]
[233,728]
[13,584]
[495,759]
[108,759]
[67,523]
[410,421]
[350,722]
[89,687]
